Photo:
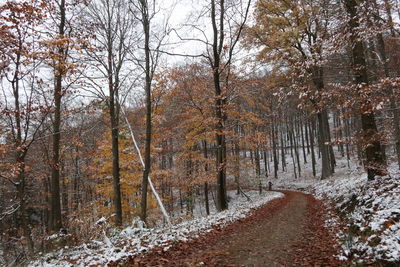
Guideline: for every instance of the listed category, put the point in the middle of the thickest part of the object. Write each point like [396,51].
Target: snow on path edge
[135,240]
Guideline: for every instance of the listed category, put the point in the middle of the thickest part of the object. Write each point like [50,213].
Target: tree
[294,34]
[382,48]
[146,13]
[63,41]
[21,106]
[113,25]
[374,161]
[224,41]
[188,107]
[130,172]
[146,20]
[59,73]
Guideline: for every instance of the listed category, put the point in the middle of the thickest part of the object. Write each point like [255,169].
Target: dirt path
[285,232]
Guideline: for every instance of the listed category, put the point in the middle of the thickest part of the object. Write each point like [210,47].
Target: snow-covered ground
[136,239]
[370,210]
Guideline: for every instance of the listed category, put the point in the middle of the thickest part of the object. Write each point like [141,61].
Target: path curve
[287,231]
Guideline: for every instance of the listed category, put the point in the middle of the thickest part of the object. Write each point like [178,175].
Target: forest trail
[285,232]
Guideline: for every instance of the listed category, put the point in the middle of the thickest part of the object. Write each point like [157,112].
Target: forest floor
[288,231]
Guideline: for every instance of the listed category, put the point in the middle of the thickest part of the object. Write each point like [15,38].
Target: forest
[121,112]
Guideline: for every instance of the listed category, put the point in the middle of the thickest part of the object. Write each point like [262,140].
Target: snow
[137,239]
[375,213]
[101,220]
[369,221]
[370,210]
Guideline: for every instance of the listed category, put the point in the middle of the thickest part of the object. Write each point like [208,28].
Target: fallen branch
[244,194]
[160,204]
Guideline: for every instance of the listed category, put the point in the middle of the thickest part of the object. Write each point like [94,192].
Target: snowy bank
[135,240]
[369,209]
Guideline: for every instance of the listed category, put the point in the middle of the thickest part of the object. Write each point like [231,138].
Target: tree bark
[114,121]
[274,150]
[326,170]
[386,68]
[206,200]
[147,153]
[323,127]
[311,128]
[218,35]
[55,215]
[374,162]
[21,151]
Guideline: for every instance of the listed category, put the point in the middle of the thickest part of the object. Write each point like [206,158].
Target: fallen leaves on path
[311,245]
[318,244]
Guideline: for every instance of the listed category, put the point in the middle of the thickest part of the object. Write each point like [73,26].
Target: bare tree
[59,72]
[145,11]
[20,106]
[226,29]
[113,25]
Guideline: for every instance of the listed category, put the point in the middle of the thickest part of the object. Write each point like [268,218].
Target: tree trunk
[347,134]
[274,150]
[282,150]
[307,137]
[20,153]
[303,146]
[374,163]
[56,221]
[114,123]
[332,159]
[323,126]
[311,128]
[115,158]
[326,170]
[291,143]
[296,150]
[393,106]
[147,153]
[237,166]
[218,35]
[258,169]
[266,163]
[207,203]
[23,214]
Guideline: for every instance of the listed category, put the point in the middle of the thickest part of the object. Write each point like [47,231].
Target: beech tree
[322,83]
[22,111]
[62,39]
[59,73]
[227,23]
[374,161]
[295,34]
[145,12]
[108,56]
[386,27]
[190,111]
